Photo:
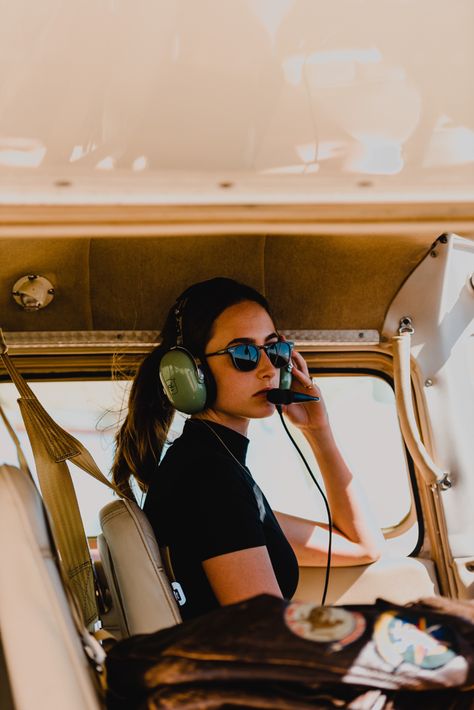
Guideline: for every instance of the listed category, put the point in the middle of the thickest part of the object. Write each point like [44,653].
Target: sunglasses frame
[259,348]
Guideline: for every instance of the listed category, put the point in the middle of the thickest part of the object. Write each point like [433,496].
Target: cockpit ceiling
[187,101]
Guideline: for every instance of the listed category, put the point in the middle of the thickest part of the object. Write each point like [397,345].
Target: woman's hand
[310,415]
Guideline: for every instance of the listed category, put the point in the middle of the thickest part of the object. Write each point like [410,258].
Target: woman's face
[242,395]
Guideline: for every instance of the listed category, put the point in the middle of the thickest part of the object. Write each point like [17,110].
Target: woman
[224,541]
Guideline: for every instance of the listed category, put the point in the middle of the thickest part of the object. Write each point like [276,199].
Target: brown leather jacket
[270,653]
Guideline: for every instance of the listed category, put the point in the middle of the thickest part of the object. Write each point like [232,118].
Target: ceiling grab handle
[432,474]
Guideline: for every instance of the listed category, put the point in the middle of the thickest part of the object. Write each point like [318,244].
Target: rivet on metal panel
[406,325]
[445,484]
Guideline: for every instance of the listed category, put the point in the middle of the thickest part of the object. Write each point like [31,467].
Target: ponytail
[143,434]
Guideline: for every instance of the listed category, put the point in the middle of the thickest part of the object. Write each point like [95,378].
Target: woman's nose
[265,367]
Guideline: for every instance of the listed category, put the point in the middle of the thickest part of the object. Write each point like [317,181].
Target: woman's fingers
[300,371]
[306,382]
[302,377]
[303,380]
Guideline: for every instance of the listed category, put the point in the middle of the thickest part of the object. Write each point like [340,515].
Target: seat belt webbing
[52,446]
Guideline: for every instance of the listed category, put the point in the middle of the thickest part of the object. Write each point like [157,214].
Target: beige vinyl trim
[422,229]
[430,497]
[377,217]
[295,213]
[431,473]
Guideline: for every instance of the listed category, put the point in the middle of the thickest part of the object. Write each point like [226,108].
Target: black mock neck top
[203,503]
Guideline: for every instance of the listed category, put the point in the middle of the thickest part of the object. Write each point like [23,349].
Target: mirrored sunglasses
[245,357]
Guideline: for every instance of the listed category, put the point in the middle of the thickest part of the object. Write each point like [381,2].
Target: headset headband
[178,313]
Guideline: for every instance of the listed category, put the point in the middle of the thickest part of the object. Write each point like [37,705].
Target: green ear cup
[183,381]
[285,378]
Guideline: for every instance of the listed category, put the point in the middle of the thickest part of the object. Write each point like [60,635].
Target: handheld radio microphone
[277,396]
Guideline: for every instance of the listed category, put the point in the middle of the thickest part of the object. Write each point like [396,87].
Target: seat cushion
[134,570]
[44,658]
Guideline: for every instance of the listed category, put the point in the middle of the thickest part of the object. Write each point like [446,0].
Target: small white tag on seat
[178,593]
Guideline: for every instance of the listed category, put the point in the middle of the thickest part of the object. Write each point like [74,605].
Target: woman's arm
[310,542]
[240,575]
[357,538]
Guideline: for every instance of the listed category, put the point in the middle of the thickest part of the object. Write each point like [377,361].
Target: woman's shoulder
[181,454]
[195,453]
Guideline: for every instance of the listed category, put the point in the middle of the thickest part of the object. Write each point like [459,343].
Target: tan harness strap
[52,446]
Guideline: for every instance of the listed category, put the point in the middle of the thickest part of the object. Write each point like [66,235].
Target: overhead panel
[134,282]
[337,282]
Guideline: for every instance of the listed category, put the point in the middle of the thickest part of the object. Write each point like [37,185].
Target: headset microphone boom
[281,396]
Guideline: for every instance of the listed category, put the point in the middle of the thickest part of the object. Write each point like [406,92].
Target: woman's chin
[263,409]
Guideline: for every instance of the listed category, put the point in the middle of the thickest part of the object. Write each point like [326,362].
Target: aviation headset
[187,383]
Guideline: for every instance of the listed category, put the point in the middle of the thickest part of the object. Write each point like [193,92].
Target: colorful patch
[324,624]
[399,640]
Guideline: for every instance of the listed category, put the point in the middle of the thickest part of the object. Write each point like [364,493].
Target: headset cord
[328,511]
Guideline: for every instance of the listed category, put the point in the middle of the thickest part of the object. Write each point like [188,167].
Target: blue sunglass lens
[246,357]
[279,353]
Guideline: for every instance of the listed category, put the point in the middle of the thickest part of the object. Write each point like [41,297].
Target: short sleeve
[225,513]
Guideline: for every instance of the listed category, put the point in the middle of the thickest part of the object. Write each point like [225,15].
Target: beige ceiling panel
[135,281]
[337,282]
[65,263]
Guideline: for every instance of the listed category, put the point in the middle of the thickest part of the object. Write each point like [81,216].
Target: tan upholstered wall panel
[135,281]
[337,282]
[65,262]
[312,282]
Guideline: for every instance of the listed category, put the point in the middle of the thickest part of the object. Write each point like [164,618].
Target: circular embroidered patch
[325,624]
[398,639]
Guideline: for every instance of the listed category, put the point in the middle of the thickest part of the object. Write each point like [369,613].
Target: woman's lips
[262,393]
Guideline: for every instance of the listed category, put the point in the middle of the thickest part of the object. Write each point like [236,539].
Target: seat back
[140,589]
[44,659]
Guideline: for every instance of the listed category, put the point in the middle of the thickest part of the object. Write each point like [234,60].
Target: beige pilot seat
[140,590]
[43,661]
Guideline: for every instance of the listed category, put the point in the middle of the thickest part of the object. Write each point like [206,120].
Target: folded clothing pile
[270,653]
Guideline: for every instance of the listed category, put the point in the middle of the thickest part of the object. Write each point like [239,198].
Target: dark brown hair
[141,438]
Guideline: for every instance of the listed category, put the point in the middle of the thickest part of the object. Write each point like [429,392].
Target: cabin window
[86,409]
[362,412]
